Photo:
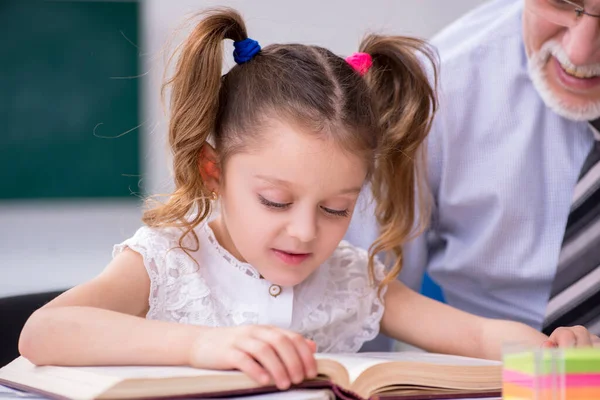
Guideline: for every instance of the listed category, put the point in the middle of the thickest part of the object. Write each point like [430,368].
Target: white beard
[535,65]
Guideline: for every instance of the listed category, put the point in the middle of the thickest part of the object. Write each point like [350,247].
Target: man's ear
[208,165]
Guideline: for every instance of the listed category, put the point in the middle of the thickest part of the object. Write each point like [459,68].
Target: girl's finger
[564,337]
[306,349]
[265,355]
[250,367]
[289,349]
[582,336]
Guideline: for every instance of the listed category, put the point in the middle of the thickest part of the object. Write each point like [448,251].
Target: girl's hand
[264,353]
[575,336]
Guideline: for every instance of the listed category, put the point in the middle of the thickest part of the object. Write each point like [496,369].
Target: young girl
[284,142]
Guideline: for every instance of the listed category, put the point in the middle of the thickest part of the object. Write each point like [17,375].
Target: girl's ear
[208,165]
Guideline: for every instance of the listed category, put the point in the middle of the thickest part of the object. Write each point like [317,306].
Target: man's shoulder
[489,31]
[481,60]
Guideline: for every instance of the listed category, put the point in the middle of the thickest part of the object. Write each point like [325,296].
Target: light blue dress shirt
[502,168]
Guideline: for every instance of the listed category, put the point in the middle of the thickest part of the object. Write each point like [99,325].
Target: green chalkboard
[62,70]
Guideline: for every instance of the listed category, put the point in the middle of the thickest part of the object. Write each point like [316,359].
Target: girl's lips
[291,258]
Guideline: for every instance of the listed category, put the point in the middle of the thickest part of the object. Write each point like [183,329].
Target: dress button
[275,290]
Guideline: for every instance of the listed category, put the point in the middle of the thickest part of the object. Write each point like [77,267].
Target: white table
[6,394]
[57,245]
[9,394]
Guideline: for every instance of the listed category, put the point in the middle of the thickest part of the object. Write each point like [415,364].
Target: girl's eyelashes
[337,213]
[283,206]
[272,204]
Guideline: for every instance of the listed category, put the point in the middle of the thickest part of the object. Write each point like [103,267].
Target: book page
[353,364]
[58,380]
[357,363]
[153,372]
[8,393]
[431,358]
[89,382]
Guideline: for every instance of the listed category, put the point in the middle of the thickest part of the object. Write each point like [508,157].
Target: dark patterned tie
[575,294]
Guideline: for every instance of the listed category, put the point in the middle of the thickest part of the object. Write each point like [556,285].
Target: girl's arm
[101,322]
[437,327]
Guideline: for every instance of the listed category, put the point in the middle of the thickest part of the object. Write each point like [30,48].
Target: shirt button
[275,290]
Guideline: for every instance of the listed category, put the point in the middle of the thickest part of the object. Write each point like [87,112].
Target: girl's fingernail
[285,384]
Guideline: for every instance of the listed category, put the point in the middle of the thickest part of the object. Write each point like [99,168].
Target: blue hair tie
[245,50]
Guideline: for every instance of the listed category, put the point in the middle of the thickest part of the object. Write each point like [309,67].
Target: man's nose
[582,41]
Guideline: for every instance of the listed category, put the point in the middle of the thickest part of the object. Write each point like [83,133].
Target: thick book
[401,375]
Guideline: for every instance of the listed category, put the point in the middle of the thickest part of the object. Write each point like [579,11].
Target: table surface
[10,394]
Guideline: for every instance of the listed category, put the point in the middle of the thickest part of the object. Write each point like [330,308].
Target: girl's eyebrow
[274,181]
[281,182]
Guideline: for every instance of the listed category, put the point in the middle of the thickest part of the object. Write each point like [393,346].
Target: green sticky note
[554,361]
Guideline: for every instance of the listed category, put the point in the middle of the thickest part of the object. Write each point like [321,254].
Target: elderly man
[513,161]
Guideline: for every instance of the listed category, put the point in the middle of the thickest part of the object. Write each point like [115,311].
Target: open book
[403,375]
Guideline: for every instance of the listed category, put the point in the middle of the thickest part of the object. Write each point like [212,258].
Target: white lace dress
[336,306]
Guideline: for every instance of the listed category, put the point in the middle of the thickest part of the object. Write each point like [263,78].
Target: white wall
[336,24]
[51,245]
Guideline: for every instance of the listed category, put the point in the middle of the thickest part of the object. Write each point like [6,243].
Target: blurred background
[82,127]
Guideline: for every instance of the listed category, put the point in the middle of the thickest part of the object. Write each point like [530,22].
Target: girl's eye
[337,213]
[272,204]
[282,206]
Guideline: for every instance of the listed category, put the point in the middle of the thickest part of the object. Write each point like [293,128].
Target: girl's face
[286,206]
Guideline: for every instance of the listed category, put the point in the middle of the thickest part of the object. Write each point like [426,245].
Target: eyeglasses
[561,12]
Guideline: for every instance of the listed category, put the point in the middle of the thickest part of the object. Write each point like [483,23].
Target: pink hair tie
[361,62]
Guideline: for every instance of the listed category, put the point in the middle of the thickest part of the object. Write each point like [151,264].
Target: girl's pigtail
[194,106]
[406,103]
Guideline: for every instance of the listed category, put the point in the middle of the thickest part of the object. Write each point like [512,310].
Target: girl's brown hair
[383,116]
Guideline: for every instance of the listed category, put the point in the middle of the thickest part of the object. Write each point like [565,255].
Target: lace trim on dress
[227,256]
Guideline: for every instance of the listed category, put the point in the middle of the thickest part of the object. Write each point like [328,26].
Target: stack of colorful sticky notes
[552,374]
